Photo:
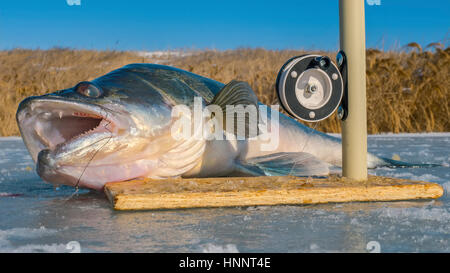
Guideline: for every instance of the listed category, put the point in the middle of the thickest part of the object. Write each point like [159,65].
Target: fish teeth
[60,114]
[46,115]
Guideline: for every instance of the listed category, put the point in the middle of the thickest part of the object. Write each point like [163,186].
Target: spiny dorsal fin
[242,102]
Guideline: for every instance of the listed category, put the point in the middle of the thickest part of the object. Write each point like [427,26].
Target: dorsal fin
[240,96]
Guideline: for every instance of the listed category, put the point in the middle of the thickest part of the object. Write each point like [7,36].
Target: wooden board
[265,190]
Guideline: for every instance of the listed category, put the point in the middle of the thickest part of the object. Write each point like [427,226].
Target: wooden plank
[265,190]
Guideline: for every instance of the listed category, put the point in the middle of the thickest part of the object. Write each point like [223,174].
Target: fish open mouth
[63,128]
[68,140]
[53,124]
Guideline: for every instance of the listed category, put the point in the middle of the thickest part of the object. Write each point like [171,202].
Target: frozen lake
[35,217]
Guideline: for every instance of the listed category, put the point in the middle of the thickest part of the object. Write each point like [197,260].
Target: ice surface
[34,217]
[9,236]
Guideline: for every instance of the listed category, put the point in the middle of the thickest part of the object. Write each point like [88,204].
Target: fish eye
[88,89]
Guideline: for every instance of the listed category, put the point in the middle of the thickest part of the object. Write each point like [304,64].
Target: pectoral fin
[280,164]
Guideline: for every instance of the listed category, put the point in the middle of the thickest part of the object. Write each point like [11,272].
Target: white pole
[354,128]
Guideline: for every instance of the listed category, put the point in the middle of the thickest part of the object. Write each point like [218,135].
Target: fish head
[110,129]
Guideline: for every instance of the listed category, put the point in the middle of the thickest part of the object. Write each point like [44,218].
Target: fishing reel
[312,87]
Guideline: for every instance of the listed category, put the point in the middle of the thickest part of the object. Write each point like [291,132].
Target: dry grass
[407,91]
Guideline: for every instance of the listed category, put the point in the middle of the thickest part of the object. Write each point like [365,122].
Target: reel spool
[310,87]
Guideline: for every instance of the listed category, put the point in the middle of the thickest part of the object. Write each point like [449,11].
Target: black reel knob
[310,87]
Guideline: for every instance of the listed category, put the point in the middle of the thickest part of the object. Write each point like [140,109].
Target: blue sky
[225,24]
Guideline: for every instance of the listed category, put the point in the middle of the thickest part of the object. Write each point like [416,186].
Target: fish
[120,127]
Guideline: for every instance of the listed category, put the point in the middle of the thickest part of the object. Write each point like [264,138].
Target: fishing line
[89,162]
[304,146]
[313,129]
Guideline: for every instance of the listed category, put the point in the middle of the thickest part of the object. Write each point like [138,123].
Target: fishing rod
[312,87]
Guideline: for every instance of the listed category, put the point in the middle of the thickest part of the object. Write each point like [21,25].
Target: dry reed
[407,91]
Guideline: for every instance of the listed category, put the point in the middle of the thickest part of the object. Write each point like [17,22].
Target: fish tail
[387,162]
